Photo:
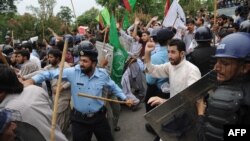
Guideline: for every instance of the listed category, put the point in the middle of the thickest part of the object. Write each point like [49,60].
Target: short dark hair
[224,17]
[92,58]
[28,46]
[139,33]
[190,21]
[60,45]
[24,53]
[9,82]
[56,53]
[92,54]
[179,43]
[146,32]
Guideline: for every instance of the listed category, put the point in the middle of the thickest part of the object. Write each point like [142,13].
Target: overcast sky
[80,5]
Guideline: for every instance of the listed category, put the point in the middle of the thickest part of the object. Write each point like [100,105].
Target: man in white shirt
[180,72]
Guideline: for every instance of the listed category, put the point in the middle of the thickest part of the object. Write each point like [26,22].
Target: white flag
[175,16]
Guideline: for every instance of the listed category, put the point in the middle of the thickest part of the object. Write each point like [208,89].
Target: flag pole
[175,20]
[105,36]
[74,12]
[54,116]
[215,14]
[12,37]
[43,29]
[215,9]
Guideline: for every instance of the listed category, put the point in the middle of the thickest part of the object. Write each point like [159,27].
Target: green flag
[125,23]
[119,54]
[132,4]
[105,16]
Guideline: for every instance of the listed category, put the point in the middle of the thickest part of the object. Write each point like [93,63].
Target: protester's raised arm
[55,35]
[155,18]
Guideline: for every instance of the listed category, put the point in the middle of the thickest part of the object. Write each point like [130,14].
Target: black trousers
[83,127]
[153,90]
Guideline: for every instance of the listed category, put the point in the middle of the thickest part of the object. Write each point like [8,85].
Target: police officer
[88,115]
[202,54]
[229,102]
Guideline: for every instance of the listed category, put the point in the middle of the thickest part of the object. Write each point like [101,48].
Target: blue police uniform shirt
[156,49]
[159,57]
[81,83]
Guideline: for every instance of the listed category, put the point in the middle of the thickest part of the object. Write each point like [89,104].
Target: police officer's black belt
[89,115]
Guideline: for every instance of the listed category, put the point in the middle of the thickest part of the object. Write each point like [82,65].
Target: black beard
[87,70]
[176,62]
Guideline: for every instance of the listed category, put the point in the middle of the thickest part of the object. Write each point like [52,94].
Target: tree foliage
[88,18]
[28,25]
[7,11]
[7,6]
[65,14]
[45,9]
[23,26]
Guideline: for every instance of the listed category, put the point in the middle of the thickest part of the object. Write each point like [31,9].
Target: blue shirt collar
[96,73]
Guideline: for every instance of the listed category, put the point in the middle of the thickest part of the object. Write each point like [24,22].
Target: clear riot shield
[175,119]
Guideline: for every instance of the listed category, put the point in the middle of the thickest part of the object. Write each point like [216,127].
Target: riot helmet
[235,45]
[203,34]
[86,45]
[77,38]
[69,38]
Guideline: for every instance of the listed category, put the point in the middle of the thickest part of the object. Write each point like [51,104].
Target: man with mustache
[88,115]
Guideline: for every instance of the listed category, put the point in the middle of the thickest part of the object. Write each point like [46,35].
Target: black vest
[224,105]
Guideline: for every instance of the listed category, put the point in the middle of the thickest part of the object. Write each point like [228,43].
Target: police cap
[166,33]
[86,48]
